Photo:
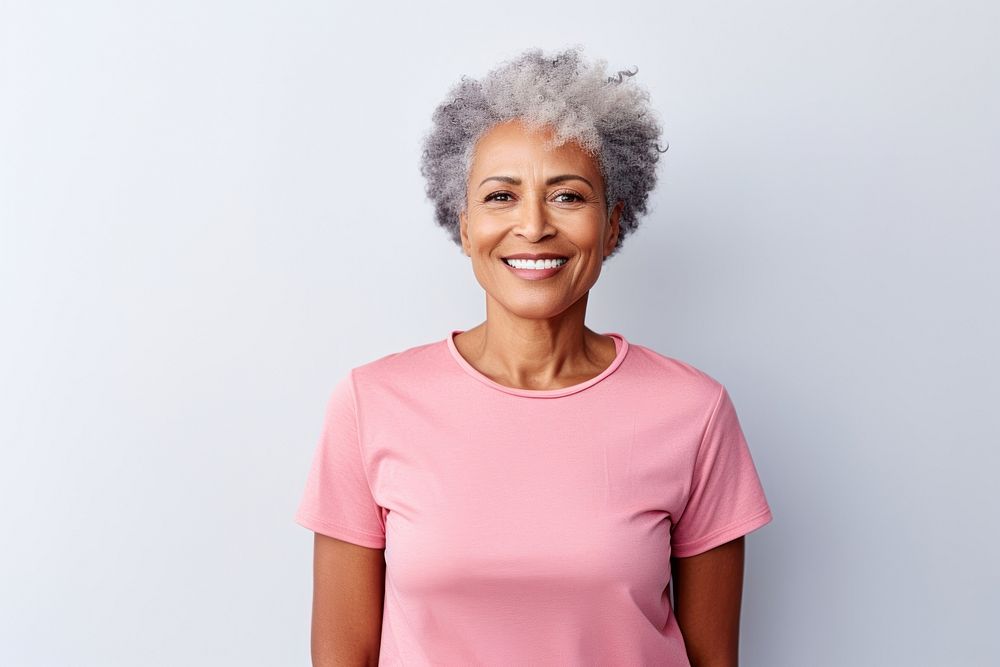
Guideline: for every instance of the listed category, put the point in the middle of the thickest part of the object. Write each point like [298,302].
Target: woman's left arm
[708,592]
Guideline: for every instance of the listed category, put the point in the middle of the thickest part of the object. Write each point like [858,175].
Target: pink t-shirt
[531,526]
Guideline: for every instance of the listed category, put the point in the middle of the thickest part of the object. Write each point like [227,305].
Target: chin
[542,309]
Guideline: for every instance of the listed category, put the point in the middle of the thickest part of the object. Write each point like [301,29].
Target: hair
[608,116]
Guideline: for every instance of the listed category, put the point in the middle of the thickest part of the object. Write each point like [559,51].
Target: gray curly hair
[606,115]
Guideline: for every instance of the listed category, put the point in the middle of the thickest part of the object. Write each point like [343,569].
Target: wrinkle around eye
[492,197]
[502,200]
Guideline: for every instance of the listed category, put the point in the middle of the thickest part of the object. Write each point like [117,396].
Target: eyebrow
[551,181]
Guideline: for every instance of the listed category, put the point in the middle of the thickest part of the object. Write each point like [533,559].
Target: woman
[522,492]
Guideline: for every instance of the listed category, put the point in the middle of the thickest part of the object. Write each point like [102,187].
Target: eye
[575,197]
[500,193]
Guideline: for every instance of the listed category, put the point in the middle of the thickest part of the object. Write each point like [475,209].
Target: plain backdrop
[210,211]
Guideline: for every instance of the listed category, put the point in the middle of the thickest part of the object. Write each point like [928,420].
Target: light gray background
[211,211]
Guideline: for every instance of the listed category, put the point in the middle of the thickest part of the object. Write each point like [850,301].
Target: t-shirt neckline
[621,348]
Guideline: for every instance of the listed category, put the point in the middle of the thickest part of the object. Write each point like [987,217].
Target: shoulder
[670,376]
[400,368]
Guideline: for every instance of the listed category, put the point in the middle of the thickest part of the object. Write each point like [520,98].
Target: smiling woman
[526,491]
[551,205]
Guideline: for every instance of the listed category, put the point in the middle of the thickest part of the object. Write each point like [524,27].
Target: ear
[463,226]
[614,228]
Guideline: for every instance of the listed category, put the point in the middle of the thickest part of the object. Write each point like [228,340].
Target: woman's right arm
[348,590]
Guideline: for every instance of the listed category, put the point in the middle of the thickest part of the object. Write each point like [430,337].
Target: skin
[534,337]
[348,589]
[708,591]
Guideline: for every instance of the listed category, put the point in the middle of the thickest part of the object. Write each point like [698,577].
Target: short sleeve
[726,499]
[337,500]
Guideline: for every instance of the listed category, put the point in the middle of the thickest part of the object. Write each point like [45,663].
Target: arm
[348,589]
[708,591]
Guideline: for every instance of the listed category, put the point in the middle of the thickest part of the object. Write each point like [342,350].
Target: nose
[533,224]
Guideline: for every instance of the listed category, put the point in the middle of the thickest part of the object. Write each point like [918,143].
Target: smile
[535,264]
[535,269]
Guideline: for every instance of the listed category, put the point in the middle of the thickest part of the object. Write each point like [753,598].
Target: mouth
[535,269]
[535,264]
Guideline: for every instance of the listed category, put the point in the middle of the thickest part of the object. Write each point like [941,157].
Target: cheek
[589,240]
[484,236]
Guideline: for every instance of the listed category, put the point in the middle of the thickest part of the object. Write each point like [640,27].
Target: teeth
[535,263]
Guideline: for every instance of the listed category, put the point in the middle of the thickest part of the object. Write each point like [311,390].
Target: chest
[523,497]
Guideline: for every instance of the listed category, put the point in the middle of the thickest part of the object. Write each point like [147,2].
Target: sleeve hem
[723,535]
[340,532]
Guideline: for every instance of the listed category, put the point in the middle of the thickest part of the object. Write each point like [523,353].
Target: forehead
[513,145]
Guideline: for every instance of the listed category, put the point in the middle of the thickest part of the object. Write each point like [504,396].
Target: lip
[539,255]
[535,274]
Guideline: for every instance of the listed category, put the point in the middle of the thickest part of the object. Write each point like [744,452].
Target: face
[526,199]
